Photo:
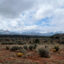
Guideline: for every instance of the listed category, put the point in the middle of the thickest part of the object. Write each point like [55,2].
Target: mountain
[37,33]
[6,32]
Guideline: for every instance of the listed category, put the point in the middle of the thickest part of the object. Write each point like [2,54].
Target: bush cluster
[32,47]
[43,52]
[25,47]
[7,48]
[14,48]
[56,48]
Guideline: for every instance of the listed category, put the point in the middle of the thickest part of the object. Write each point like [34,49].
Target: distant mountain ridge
[6,32]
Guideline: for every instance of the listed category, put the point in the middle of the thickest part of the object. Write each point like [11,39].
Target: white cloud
[43,11]
[23,15]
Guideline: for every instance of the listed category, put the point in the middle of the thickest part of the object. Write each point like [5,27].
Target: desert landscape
[32,49]
[31,31]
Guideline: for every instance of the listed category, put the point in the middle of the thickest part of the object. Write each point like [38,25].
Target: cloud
[32,15]
[13,8]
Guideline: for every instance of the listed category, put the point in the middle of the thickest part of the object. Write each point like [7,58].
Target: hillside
[57,38]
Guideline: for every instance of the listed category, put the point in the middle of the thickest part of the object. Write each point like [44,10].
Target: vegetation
[43,53]
[56,48]
[35,46]
[7,48]
[22,48]
[36,41]
[14,48]
[31,47]
[25,47]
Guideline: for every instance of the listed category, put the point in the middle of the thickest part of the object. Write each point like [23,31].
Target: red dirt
[56,58]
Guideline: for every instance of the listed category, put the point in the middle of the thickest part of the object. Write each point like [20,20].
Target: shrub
[25,47]
[43,53]
[34,46]
[23,51]
[36,41]
[14,48]
[31,47]
[7,48]
[46,46]
[56,48]
[20,43]
[30,42]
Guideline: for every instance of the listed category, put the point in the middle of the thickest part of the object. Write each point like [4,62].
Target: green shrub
[23,51]
[46,46]
[43,52]
[36,41]
[25,47]
[56,48]
[7,48]
[31,47]
[14,48]
[30,42]
[34,46]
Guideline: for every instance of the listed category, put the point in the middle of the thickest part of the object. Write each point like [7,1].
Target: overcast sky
[32,15]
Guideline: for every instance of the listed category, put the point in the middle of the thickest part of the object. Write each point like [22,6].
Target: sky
[32,15]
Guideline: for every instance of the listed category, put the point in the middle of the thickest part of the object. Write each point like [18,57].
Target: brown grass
[31,57]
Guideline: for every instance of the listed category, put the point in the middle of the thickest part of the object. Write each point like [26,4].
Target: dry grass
[31,57]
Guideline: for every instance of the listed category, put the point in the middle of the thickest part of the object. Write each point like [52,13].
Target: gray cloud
[13,8]
[34,14]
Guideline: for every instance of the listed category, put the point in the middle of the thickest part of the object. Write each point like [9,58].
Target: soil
[8,57]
